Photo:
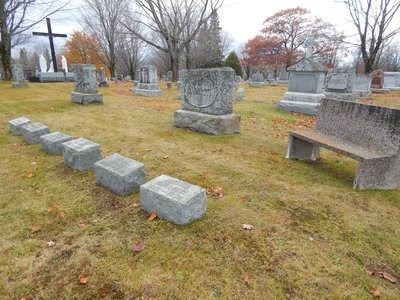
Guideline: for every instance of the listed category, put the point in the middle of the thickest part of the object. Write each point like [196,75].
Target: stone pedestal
[85,86]
[119,174]
[174,200]
[207,104]
[306,80]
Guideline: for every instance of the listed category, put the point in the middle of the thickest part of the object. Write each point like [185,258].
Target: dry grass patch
[313,236]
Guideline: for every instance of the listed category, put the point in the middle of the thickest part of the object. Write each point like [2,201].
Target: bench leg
[378,174]
[301,150]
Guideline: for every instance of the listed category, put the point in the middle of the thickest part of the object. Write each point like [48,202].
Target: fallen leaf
[375,292]
[215,192]
[242,198]
[51,243]
[138,247]
[26,298]
[370,273]
[225,238]
[54,208]
[389,277]
[83,279]
[81,225]
[166,156]
[36,228]
[62,214]
[136,205]
[246,279]
[33,163]
[152,217]
[247,227]
[311,238]
[29,175]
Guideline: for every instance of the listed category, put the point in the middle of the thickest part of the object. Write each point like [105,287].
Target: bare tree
[16,18]
[170,19]
[102,19]
[373,19]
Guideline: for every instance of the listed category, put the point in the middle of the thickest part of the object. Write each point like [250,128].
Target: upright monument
[85,85]
[148,82]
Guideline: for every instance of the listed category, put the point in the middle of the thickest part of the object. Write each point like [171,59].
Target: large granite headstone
[362,86]
[18,76]
[257,80]
[306,80]
[392,81]
[85,85]
[207,104]
[339,85]
[148,84]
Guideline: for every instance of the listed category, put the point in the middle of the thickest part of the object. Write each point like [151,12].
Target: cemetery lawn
[64,237]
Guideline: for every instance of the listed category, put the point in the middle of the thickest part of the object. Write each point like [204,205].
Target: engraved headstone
[103,79]
[392,81]
[80,154]
[15,125]
[239,94]
[257,80]
[85,85]
[148,83]
[18,76]
[339,85]
[377,79]
[362,86]
[207,104]
[306,80]
[169,75]
[174,200]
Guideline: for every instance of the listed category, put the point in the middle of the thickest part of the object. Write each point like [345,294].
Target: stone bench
[366,133]
[51,143]
[31,133]
[174,200]
[15,125]
[119,174]
[80,154]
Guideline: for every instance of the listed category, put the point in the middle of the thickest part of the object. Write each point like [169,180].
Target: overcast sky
[243,19]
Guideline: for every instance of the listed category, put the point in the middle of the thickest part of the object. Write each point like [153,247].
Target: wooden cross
[50,34]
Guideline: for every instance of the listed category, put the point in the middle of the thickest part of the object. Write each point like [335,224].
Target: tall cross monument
[50,34]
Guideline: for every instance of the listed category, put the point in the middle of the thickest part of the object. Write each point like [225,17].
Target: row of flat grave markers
[171,199]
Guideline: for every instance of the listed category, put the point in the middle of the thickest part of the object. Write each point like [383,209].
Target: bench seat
[353,151]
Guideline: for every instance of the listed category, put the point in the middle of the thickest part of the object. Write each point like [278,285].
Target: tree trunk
[174,59]
[5,53]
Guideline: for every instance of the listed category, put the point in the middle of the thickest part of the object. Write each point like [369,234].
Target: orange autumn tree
[282,38]
[84,49]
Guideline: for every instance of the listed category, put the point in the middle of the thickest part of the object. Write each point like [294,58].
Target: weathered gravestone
[80,154]
[18,76]
[169,75]
[148,85]
[239,94]
[136,79]
[51,143]
[362,86]
[257,80]
[174,200]
[283,75]
[15,125]
[392,81]
[377,82]
[339,85]
[85,85]
[103,79]
[207,104]
[119,174]
[306,80]
[32,132]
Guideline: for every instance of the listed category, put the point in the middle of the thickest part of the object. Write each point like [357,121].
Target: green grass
[314,237]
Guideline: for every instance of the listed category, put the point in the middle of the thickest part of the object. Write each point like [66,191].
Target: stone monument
[339,85]
[103,79]
[362,86]
[148,83]
[207,104]
[392,81]
[42,64]
[169,76]
[64,63]
[306,80]
[257,80]
[18,76]
[85,85]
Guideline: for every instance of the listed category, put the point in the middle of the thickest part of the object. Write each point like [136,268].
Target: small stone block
[174,200]
[31,133]
[51,143]
[80,154]
[119,174]
[85,99]
[16,124]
